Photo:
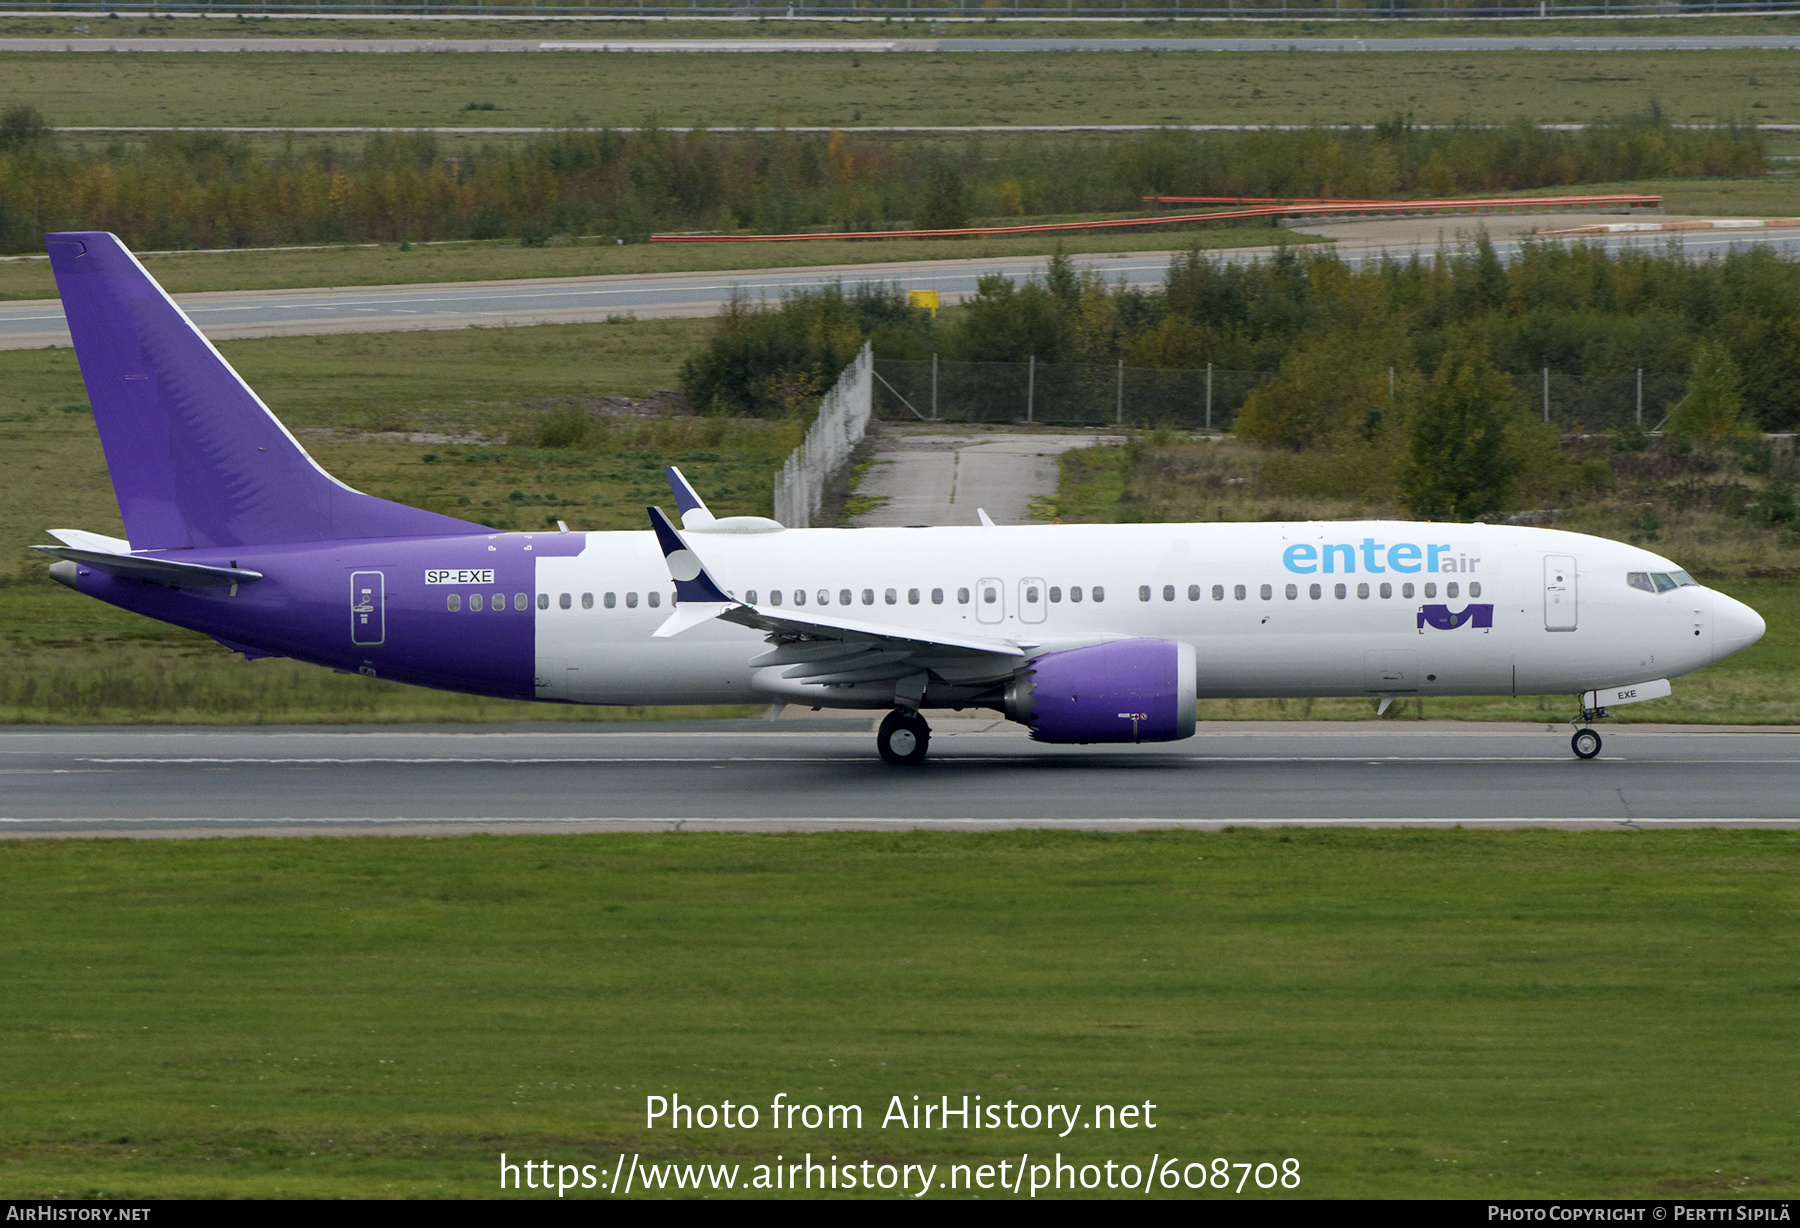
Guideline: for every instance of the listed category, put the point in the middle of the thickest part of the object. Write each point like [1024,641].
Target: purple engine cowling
[1123,691]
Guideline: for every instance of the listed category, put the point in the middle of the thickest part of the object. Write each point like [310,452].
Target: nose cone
[1735,626]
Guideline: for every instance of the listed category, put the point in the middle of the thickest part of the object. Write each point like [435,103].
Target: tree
[1459,462]
[1713,402]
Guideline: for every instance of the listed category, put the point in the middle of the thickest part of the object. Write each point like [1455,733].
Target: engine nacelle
[1123,691]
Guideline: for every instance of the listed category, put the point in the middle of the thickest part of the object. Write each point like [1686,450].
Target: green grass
[1342,23]
[1409,1014]
[353,400]
[731,90]
[253,269]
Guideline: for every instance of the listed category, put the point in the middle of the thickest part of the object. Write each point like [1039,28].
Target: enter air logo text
[1376,558]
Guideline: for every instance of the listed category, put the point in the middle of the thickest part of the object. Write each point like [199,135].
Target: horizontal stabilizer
[157,571]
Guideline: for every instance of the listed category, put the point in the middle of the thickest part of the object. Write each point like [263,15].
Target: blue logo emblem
[1445,619]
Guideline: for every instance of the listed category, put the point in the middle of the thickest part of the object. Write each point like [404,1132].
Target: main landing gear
[903,737]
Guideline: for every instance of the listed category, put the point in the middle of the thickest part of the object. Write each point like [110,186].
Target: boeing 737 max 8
[1083,633]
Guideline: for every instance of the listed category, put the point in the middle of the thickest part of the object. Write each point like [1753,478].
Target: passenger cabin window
[844,597]
[1430,591]
[1239,592]
[989,594]
[1293,592]
[453,602]
[825,596]
[1339,591]
[962,596]
[1075,593]
[544,601]
[799,596]
[1362,592]
[1267,592]
[611,600]
[1055,594]
[890,597]
[566,602]
[869,596]
[774,596]
[750,596]
[1193,592]
[1031,594]
[1218,592]
[631,601]
[1314,591]
[1450,589]
[937,596]
[1406,590]
[912,596]
[1143,592]
[655,599]
[475,601]
[1474,588]
[1168,592]
[1387,591]
[587,601]
[1099,593]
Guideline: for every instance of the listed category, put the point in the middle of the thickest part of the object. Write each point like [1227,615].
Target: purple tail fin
[196,458]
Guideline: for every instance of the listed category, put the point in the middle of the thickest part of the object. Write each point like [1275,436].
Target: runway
[932,46]
[33,324]
[815,774]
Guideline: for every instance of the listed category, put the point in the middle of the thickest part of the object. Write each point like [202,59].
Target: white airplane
[1081,633]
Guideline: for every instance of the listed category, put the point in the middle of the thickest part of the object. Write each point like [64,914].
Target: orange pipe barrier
[1335,207]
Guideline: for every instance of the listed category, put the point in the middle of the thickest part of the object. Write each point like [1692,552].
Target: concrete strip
[940,475]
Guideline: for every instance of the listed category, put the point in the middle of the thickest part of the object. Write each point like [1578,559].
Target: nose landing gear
[1586,742]
[903,737]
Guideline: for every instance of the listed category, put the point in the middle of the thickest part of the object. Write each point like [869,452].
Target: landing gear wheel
[1586,743]
[903,738]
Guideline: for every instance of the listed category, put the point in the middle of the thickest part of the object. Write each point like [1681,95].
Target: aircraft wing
[821,648]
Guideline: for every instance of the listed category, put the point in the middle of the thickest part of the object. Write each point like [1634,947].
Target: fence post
[1030,384]
[1390,383]
[1640,398]
[1121,415]
[934,385]
[1209,396]
[1546,394]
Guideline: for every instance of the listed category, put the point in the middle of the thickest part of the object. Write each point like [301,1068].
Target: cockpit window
[1682,578]
[1640,579]
[1663,583]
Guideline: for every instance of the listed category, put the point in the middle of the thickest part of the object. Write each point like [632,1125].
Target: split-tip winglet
[692,583]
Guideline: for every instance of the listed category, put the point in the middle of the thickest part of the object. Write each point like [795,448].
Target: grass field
[1409,1014]
[387,264]
[726,90]
[1348,25]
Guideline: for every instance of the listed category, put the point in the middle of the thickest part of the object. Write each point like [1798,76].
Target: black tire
[903,738]
[1585,743]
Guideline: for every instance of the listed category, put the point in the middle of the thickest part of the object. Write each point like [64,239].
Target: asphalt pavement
[822,773]
[690,46]
[31,324]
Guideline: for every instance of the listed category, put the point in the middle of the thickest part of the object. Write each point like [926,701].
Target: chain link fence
[843,420]
[1209,398]
[1061,394]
